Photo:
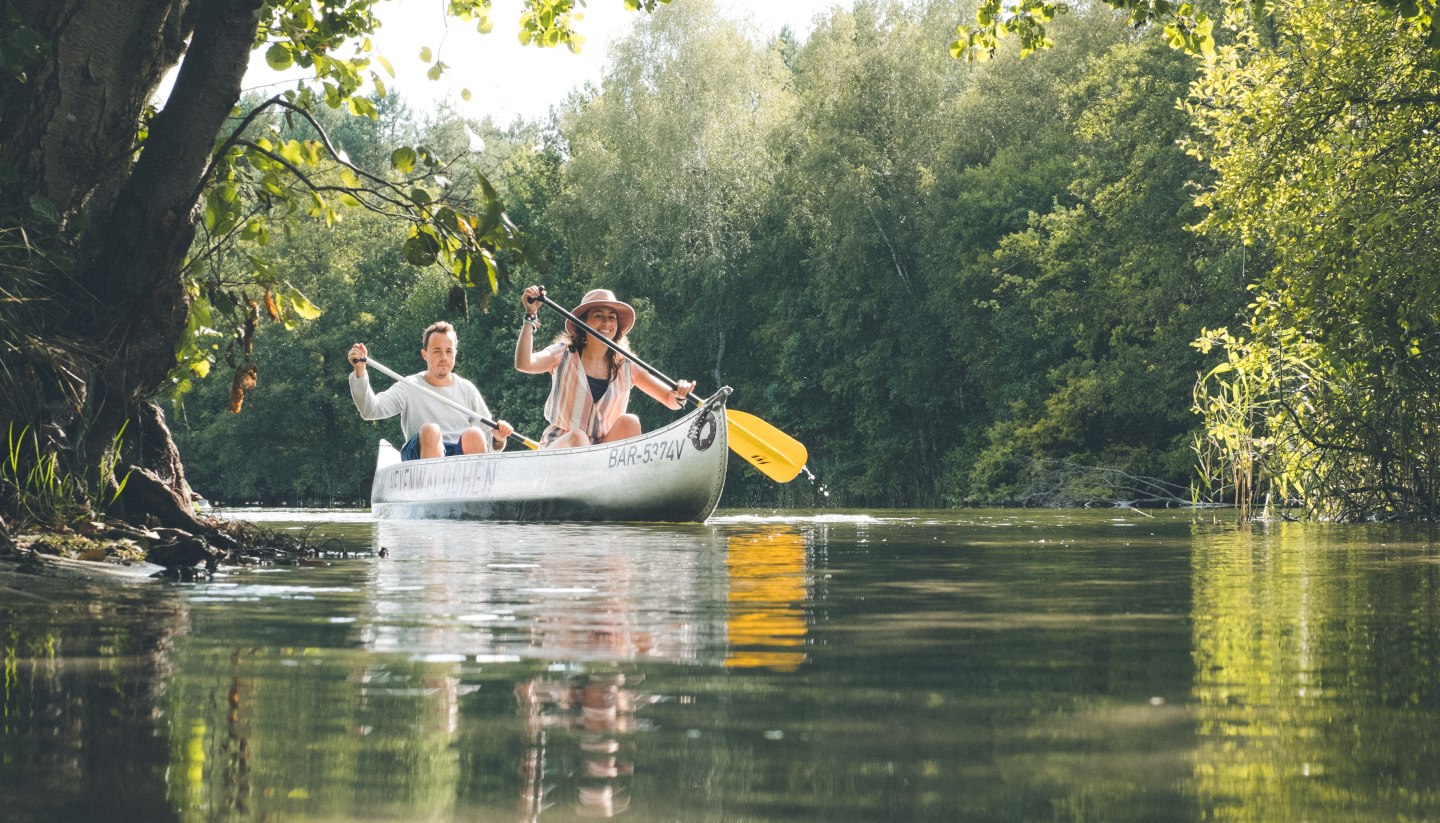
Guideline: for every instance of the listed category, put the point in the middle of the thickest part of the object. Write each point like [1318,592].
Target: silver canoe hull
[674,474]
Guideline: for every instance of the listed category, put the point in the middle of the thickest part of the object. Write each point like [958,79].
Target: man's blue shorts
[411,449]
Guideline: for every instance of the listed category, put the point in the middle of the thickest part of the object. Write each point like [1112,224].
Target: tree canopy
[114,214]
[945,290]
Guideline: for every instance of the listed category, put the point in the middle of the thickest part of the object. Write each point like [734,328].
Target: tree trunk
[68,132]
[135,273]
[156,484]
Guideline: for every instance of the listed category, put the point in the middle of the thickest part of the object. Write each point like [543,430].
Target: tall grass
[38,489]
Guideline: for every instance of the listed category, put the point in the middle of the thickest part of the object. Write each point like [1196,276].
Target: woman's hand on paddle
[525,359]
[530,299]
[682,390]
[357,356]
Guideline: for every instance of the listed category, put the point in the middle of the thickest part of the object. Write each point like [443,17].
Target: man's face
[439,354]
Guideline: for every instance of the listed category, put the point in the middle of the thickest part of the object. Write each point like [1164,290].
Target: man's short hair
[438,327]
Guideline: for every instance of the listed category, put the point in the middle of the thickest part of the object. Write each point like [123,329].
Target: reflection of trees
[79,735]
[769,586]
[1315,650]
[290,731]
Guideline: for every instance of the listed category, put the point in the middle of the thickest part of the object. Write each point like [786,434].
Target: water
[926,666]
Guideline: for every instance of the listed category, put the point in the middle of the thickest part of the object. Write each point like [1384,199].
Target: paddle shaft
[385,370]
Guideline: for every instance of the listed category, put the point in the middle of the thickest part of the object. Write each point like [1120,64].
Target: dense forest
[1172,254]
[955,283]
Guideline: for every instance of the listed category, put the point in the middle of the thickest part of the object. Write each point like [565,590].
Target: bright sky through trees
[505,79]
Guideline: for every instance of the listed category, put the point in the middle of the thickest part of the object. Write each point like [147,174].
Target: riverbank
[114,548]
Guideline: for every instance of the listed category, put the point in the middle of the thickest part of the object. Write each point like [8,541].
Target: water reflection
[83,668]
[769,583]
[1066,666]
[579,726]
[1316,674]
[564,593]
[583,601]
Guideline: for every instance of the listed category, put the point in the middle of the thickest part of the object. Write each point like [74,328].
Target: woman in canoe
[589,384]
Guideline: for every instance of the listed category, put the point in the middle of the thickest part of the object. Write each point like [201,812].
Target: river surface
[805,666]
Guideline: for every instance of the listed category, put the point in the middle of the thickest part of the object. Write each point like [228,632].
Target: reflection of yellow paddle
[765,614]
[776,454]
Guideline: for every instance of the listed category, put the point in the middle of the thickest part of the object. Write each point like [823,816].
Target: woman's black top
[598,385]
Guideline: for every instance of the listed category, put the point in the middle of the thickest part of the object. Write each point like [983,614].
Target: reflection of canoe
[673,474]
[577,593]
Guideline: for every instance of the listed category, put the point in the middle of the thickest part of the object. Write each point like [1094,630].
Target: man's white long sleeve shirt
[417,407]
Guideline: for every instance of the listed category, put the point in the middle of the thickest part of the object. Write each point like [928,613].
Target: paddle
[776,454]
[385,370]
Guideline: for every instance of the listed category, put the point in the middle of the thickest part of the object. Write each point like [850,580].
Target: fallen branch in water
[1064,483]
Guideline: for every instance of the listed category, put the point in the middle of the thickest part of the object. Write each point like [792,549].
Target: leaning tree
[113,210]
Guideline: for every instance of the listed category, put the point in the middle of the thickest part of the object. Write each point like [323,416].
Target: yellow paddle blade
[776,454]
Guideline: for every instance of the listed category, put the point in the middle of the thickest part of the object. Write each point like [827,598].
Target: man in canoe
[589,384]
[431,427]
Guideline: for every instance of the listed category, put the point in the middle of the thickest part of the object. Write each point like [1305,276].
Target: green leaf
[293,152]
[494,210]
[301,305]
[45,210]
[491,272]
[1223,368]
[213,206]
[279,57]
[256,231]
[460,267]
[421,249]
[403,159]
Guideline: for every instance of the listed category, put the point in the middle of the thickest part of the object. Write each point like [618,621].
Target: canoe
[674,474]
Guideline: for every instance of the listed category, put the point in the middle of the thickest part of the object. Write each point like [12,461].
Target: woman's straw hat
[603,297]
